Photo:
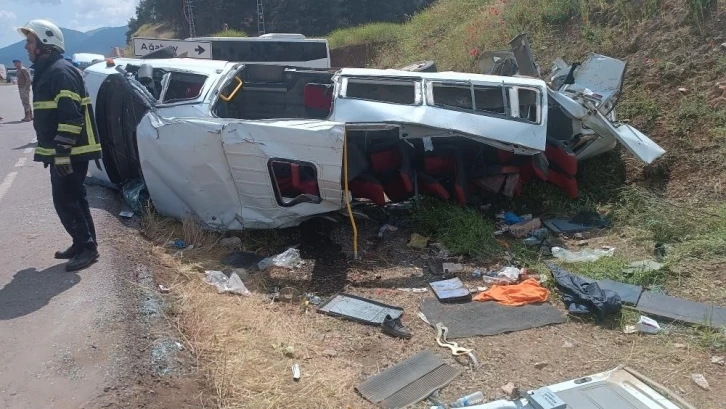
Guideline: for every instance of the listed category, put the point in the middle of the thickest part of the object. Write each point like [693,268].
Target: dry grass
[240,341]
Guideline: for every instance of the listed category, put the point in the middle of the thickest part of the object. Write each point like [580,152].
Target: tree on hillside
[309,17]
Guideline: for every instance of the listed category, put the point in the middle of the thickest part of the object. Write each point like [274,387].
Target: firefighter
[67,137]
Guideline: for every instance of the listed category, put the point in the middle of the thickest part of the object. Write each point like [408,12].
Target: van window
[489,100]
[294,182]
[184,86]
[452,96]
[528,104]
[382,90]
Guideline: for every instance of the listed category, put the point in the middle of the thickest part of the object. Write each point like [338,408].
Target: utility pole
[190,16]
[260,18]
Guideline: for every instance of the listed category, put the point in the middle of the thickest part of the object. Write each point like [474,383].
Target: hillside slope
[668,45]
[98,41]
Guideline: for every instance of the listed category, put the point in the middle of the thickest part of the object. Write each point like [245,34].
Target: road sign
[190,49]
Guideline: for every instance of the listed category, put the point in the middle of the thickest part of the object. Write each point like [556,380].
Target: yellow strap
[89,129]
[45,105]
[74,129]
[74,151]
[54,104]
[68,94]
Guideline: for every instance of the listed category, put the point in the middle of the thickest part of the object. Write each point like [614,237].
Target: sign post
[189,49]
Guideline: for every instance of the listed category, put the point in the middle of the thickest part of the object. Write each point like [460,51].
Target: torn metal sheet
[462,116]
[635,141]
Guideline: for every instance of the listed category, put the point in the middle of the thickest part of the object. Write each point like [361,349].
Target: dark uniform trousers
[71,204]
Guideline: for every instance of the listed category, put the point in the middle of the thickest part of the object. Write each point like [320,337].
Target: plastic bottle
[468,400]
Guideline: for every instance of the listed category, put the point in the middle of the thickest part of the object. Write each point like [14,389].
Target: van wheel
[420,66]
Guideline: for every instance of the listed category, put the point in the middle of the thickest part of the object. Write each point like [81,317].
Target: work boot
[83,259]
[394,328]
[66,254]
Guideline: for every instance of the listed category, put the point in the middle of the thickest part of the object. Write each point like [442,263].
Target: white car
[243,146]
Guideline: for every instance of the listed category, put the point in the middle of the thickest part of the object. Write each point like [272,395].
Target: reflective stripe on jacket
[63,112]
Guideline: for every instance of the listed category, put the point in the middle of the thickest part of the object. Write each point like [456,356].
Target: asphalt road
[61,334]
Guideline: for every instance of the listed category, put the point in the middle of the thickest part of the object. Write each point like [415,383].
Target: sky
[81,15]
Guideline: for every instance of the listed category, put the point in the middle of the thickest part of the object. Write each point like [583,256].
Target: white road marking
[20,162]
[5,186]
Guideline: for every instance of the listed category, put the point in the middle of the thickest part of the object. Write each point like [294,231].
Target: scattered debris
[290,259]
[296,372]
[469,400]
[680,346]
[456,350]
[135,195]
[584,296]
[313,299]
[682,90]
[644,266]
[472,319]
[233,242]
[540,365]
[701,381]
[393,327]
[451,268]
[527,292]
[163,289]
[581,222]
[385,228]
[523,229]
[289,351]
[629,294]
[451,290]
[358,309]
[678,309]
[586,255]
[413,290]
[418,241]
[126,212]
[330,353]
[232,285]
[718,360]
[647,325]
[408,382]
[568,344]
[288,295]
[511,391]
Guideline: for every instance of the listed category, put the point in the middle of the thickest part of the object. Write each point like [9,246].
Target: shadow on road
[30,290]
[13,122]
[27,145]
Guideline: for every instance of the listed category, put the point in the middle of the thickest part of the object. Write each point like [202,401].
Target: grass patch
[369,33]
[700,9]
[640,107]
[162,30]
[229,33]
[462,230]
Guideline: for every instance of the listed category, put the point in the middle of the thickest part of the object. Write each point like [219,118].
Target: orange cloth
[527,292]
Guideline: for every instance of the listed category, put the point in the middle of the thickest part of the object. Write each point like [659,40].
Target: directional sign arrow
[199,50]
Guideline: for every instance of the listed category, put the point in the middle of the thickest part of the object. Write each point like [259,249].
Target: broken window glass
[489,100]
[294,182]
[528,104]
[184,86]
[452,96]
[391,91]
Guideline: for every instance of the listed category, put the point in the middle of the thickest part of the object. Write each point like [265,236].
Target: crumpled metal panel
[186,172]
[249,145]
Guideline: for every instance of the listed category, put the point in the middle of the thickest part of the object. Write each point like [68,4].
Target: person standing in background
[24,83]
